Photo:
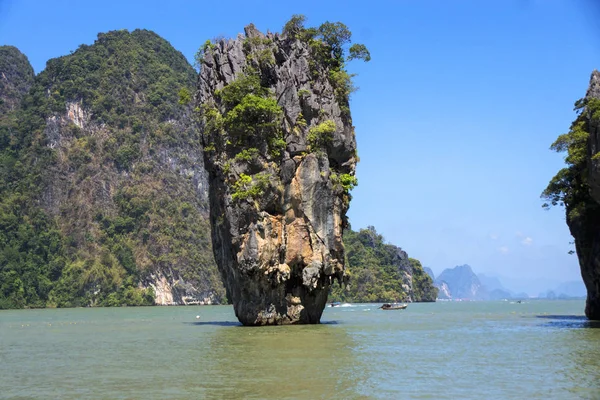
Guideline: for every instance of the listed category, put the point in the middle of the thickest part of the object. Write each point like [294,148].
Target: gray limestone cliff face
[16,77]
[594,140]
[81,189]
[460,282]
[276,187]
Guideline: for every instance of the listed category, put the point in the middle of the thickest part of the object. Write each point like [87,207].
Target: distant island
[461,283]
[381,272]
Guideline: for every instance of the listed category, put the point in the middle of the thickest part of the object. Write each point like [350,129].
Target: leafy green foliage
[200,54]
[569,187]
[250,115]
[16,78]
[247,155]
[422,284]
[348,181]
[254,116]
[328,45]
[116,213]
[294,26]
[250,187]
[31,255]
[321,135]
[359,52]
[234,93]
[378,271]
[185,97]
[336,35]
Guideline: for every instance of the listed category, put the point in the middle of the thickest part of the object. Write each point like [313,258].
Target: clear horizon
[454,116]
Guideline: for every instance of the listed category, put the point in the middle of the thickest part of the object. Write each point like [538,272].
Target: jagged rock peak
[594,87]
[16,77]
[281,153]
[460,282]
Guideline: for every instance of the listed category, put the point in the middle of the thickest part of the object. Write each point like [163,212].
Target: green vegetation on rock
[16,77]
[99,181]
[381,272]
[569,187]
[319,136]
[329,45]
[250,114]
[576,187]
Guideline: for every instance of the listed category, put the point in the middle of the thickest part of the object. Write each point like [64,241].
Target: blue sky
[454,116]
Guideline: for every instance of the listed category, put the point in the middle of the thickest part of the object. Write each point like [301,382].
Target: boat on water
[335,304]
[393,306]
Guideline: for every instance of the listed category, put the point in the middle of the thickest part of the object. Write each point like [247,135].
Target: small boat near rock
[393,306]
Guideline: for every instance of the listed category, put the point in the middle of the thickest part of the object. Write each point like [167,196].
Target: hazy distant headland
[461,283]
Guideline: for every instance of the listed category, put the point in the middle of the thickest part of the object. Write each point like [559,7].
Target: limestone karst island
[130,179]
[299,200]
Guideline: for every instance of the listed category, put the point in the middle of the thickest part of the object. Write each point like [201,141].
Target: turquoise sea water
[445,350]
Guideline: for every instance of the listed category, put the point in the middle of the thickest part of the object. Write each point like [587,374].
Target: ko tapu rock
[280,150]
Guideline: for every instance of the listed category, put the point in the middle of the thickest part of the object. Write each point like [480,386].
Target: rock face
[111,160]
[460,283]
[281,152]
[429,272]
[16,77]
[148,170]
[586,230]
[381,272]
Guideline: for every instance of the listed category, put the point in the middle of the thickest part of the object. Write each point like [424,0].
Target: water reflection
[577,349]
[299,362]
[569,321]
[215,323]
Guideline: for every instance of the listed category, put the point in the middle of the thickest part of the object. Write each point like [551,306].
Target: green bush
[247,155]
[250,187]
[321,135]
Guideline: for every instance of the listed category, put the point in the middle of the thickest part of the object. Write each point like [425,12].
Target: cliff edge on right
[577,188]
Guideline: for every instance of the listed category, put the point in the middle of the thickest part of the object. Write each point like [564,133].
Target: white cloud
[527,241]
[519,234]
[494,236]
[503,249]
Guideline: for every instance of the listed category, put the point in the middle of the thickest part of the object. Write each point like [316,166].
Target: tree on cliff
[336,35]
[381,272]
[569,187]
[577,188]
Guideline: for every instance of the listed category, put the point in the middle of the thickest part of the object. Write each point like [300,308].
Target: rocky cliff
[105,173]
[16,77]
[460,282]
[585,224]
[281,152]
[381,272]
[577,188]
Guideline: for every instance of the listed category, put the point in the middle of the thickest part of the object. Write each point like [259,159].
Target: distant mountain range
[461,282]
